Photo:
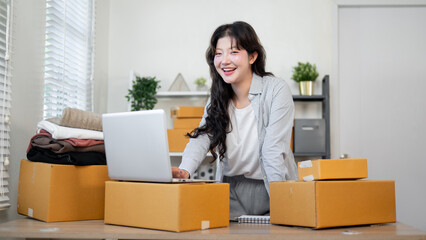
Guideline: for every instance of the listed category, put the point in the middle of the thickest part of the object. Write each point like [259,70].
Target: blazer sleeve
[276,145]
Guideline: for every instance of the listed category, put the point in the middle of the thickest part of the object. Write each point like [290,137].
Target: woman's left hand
[179,173]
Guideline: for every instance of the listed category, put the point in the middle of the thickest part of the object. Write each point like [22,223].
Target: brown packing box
[167,206]
[187,112]
[186,123]
[54,192]
[328,169]
[324,204]
[177,139]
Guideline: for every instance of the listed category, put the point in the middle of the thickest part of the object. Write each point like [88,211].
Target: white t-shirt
[242,144]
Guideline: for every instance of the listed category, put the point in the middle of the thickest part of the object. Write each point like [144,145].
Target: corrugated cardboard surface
[187,111]
[177,139]
[324,204]
[292,203]
[325,169]
[54,192]
[166,206]
[186,123]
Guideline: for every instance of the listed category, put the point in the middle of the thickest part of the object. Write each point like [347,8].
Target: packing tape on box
[308,178]
[305,164]
[205,225]
[30,212]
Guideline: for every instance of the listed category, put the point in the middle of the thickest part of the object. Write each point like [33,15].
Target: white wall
[167,37]
[382,56]
[101,56]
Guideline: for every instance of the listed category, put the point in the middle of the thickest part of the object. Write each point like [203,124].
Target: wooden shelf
[183,94]
[312,98]
[304,154]
[179,154]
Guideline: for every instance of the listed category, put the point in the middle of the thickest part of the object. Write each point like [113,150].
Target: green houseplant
[305,74]
[142,94]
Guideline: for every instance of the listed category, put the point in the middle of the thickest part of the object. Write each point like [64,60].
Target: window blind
[5,99]
[69,48]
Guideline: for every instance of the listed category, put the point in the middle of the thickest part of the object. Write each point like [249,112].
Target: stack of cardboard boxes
[328,195]
[185,120]
[55,193]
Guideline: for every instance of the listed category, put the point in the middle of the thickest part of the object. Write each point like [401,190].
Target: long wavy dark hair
[217,123]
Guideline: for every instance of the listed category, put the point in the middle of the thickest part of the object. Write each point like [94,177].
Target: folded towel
[62,146]
[37,154]
[73,141]
[84,142]
[76,118]
[54,120]
[59,132]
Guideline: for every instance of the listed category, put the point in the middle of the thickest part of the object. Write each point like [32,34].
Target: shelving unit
[324,98]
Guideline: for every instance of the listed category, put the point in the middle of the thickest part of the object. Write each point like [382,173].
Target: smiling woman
[247,123]
[233,64]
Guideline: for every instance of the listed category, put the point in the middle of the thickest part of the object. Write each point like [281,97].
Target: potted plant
[305,74]
[142,93]
[201,84]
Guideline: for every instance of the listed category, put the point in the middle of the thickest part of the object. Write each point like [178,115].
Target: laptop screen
[136,146]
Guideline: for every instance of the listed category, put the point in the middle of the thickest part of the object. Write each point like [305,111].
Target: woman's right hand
[179,173]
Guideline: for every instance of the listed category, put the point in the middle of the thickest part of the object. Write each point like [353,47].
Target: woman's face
[233,64]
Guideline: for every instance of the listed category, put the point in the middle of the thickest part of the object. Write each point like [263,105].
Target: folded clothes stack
[74,139]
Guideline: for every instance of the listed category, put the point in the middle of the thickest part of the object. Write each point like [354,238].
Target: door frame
[334,75]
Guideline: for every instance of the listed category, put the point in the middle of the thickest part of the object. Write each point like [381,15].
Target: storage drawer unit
[309,136]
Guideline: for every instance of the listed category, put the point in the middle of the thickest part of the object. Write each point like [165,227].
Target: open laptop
[136,147]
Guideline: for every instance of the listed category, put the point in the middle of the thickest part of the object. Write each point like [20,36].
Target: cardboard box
[187,112]
[186,123]
[328,169]
[167,206]
[324,204]
[177,139]
[54,192]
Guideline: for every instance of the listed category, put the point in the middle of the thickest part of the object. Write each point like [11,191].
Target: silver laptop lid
[136,146]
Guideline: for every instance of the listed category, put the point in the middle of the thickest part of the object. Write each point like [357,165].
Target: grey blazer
[273,107]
